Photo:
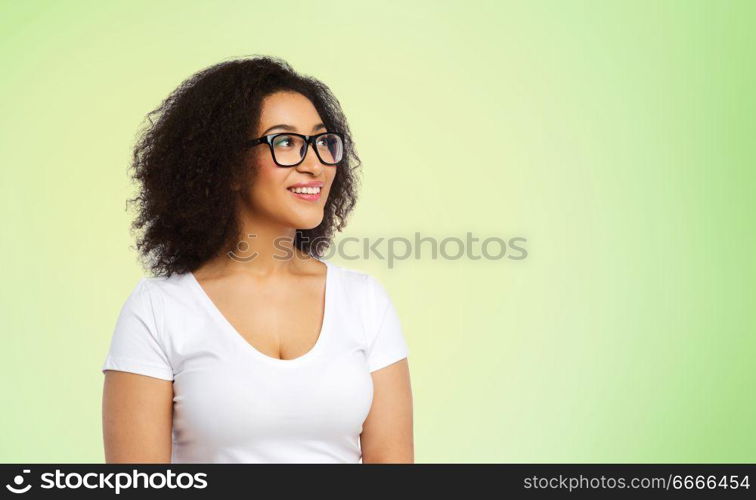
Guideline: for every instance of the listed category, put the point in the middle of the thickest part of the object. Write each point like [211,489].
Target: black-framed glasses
[289,149]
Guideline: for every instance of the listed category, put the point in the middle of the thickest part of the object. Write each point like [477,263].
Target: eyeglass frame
[309,139]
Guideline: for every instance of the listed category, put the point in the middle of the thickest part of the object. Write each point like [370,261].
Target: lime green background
[617,137]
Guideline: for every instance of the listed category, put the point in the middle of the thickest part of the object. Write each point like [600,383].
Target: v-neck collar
[231,330]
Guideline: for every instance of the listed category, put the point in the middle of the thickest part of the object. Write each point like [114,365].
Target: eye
[283,141]
[327,140]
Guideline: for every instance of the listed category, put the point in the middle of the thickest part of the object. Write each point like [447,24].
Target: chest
[281,323]
[233,397]
[230,391]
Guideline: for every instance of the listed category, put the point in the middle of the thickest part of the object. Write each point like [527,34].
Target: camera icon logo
[18,481]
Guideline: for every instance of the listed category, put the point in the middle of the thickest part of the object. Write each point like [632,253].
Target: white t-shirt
[234,404]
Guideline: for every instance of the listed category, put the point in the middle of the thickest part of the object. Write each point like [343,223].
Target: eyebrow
[292,128]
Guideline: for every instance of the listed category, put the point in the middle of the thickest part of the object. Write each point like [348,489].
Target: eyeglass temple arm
[255,142]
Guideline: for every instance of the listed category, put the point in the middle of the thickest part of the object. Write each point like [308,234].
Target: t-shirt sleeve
[136,345]
[386,342]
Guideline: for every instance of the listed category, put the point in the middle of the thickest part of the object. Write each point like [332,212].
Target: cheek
[269,183]
[331,177]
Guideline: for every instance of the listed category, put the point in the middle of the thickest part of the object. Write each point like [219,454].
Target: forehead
[288,107]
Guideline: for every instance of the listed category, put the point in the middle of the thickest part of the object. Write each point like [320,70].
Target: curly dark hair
[187,161]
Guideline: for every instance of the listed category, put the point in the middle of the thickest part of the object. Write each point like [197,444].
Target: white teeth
[305,190]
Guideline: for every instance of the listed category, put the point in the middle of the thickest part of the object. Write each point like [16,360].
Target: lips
[305,190]
[306,184]
[309,191]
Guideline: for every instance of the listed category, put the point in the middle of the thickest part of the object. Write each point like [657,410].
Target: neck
[263,249]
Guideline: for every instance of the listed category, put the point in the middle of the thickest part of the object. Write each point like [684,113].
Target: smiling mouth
[305,190]
[306,193]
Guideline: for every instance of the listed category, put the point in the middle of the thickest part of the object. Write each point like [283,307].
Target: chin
[309,223]
[303,219]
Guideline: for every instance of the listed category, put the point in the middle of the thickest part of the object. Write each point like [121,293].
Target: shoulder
[162,287]
[143,302]
[158,294]
[357,280]
[364,287]
[159,302]
[139,294]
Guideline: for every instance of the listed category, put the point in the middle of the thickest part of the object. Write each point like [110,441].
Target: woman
[245,346]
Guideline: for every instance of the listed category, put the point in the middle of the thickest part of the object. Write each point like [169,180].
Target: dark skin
[276,305]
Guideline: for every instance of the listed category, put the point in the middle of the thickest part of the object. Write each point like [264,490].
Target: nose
[311,162]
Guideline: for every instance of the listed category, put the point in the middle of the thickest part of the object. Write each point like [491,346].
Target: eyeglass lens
[290,149]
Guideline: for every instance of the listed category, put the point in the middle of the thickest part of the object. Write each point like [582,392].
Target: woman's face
[270,194]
